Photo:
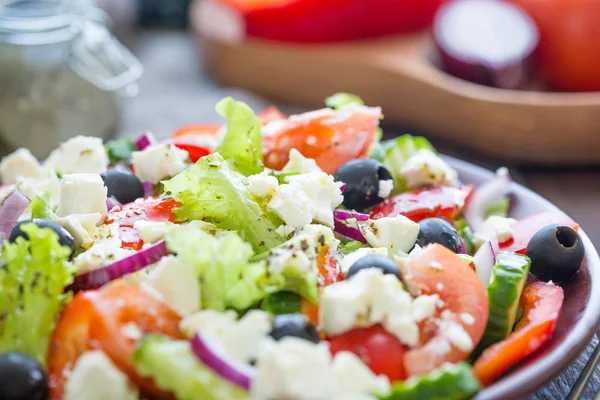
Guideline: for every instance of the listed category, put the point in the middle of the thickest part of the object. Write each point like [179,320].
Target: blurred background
[513,82]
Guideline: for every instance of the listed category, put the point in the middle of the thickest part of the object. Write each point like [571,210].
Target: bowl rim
[533,376]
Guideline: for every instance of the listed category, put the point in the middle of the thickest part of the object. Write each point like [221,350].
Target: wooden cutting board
[398,74]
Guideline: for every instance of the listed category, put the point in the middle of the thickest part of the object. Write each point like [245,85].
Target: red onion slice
[343,215]
[347,231]
[148,189]
[484,195]
[100,277]
[221,363]
[111,203]
[146,140]
[485,259]
[11,208]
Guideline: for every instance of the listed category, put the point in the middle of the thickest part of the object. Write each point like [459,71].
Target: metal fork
[586,375]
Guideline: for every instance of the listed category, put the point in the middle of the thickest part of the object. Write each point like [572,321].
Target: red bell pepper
[318,21]
[524,229]
[541,303]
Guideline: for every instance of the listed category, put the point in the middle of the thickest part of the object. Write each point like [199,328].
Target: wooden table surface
[174,91]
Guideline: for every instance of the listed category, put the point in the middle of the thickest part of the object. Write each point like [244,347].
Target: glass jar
[62,74]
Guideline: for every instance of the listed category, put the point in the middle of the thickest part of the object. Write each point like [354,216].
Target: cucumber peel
[448,382]
[509,276]
[174,368]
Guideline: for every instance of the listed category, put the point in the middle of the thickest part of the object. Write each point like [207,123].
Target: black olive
[296,325]
[123,185]
[22,378]
[556,253]
[362,179]
[64,237]
[437,230]
[375,261]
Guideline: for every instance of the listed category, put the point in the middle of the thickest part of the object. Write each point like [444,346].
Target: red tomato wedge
[271,114]
[197,130]
[541,303]
[329,270]
[330,137]
[524,229]
[381,351]
[196,152]
[157,209]
[437,202]
[69,340]
[462,293]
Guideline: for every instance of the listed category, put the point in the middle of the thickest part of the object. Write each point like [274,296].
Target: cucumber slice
[394,154]
[509,276]
[173,367]
[448,382]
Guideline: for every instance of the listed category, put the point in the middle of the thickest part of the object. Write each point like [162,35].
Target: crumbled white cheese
[299,164]
[82,194]
[158,162]
[262,185]
[355,379]
[131,331]
[467,318]
[79,155]
[425,168]
[495,226]
[397,234]
[370,297]
[101,254]
[385,188]
[292,205]
[20,164]
[300,252]
[322,236]
[454,332]
[95,377]
[323,191]
[435,265]
[284,230]
[82,227]
[423,307]
[439,286]
[152,231]
[349,259]
[241,339]
[177,284]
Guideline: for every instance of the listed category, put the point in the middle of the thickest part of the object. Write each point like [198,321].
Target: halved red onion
[111,203]
[485,259]
[489,42]
[11,208]
[147,139]
[343,215]
[484,195]
[348,231]
[215,358]
[99,277]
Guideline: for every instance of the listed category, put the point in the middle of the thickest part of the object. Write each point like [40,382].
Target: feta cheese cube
[299,253]
[425,168]
[385,188]
[79,155]
[262,185]
[95,377]
[158,162]
[81,226]
[495,226]
[20,164]
[292,205]
[349,259]
[151,231]
[323,191]
[82,194]
[299,164]
[46,182]
[397,234]
[322,236]
[355,380]
[177,283]
[424,307]
[294,369]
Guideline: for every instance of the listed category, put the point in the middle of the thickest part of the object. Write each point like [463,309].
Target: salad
[272,257]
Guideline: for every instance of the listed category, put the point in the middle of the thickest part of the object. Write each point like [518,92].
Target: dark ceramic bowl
[580,313]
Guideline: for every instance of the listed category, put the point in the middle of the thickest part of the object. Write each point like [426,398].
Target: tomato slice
[310,310]
[541,303]
[381,351]
[330,137]
[271,114]
[195,152]
[121,304]
[524,229]
[197,129]
[437,202]
[459,288]
[69,340]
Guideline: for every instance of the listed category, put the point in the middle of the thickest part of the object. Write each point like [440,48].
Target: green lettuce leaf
[40,207]
[119,151]
[210,191]
[33,277]
[499,207]
[227,278]
[341,99]
[351,247]
[242,144]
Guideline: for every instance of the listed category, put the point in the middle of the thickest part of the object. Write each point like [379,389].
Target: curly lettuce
[242,144]
[33,276]
[211,191]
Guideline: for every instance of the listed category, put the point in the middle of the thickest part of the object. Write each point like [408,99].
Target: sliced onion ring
[111,203]
[11,208]
[348,231]
[148,189]
[222,364]
[146,140]
[485,260]
[343,215]
[484,195]
[99,277]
